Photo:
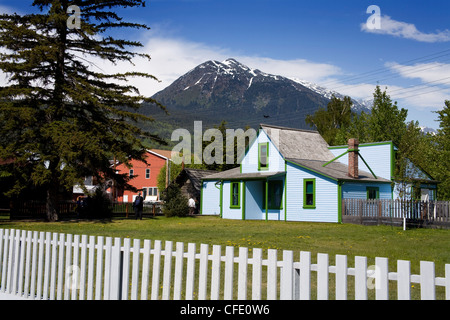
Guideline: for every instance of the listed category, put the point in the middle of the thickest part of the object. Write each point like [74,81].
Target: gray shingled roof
[299,144]
[195,175]
[235,174]
[336,170]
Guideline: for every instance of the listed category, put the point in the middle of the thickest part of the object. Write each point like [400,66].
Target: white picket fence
[44,265]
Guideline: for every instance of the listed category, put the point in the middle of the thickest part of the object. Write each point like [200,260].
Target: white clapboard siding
[49,266]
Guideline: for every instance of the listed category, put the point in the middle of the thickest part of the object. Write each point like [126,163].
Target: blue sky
[322,41]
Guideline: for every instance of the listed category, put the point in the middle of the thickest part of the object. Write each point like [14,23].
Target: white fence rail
[44,265]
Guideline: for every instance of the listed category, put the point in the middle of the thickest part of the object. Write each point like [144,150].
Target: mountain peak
[234,63]
[231,91]
[231,61]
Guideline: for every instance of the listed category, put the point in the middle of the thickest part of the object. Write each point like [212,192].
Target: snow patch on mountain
[358,104]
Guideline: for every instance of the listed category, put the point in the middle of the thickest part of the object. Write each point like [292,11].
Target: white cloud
[434,86]
[407,31]
[296,68]
[435,72]
[171,58]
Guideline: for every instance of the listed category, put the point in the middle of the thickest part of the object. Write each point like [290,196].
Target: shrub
[98,206]
[176,204]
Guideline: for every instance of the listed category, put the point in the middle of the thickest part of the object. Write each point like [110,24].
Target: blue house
[293,175]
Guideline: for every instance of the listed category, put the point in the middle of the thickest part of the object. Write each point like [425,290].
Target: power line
[392,77]
[423,93]
[388,69]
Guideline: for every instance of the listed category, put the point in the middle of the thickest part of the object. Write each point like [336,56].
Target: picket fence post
[287,273]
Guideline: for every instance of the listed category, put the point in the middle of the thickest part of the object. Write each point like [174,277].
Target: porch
[430,214]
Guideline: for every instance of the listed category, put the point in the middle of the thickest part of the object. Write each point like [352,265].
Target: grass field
[351,240]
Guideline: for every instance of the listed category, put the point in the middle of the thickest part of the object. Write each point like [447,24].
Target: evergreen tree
[176,204]
[332,120]
[356,129]
[441,155]
[59,120]
[216,152]
[386,122]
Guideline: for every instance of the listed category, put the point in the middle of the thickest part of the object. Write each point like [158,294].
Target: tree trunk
[53,192]
[52,203]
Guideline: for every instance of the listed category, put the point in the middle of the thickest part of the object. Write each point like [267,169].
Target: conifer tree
[61,119]
[441,153]
[387,122]
[332,120]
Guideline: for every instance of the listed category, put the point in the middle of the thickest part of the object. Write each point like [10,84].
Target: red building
[144,175]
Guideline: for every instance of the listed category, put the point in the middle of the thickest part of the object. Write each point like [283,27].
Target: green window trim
[261,165]
[373,193]
[309,193]
[273,187]
[235,195]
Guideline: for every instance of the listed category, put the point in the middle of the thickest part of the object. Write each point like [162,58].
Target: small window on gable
[131,173]
[147,173]
[373,193]
[263,156]
[309,193]
[235,195]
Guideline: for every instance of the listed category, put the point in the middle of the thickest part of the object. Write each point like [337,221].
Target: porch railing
[389,211]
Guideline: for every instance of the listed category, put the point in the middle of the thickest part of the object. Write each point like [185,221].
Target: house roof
[306,148]
[235,174]
[195,175]
[166,154]
[298,143]
[336,170]
[309,149]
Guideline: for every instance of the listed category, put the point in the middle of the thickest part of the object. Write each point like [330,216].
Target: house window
[152,191]
[275,194]
[149,191]
[235,195]
[309,193]
[144,192]
[147,173]
[263,156]
[131,173]
[373,193]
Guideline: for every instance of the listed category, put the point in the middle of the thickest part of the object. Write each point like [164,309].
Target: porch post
[243,200]
[267,202]
[339,202]
[221,198]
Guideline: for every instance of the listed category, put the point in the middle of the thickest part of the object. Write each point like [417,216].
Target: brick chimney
[353,158]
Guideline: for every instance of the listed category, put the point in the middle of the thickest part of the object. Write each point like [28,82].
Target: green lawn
[351,240]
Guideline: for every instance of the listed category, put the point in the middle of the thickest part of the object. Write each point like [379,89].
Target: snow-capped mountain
[231,91]
[358,105]
[428,130]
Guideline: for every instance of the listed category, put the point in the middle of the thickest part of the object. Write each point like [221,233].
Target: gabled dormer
[274,144]
[262,155]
